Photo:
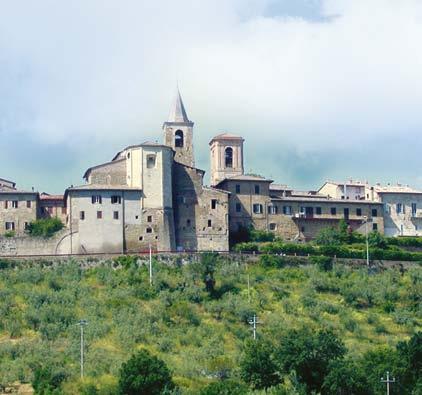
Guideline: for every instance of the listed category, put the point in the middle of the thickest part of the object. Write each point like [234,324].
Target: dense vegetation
[319,325]
[45,227]
[338,242]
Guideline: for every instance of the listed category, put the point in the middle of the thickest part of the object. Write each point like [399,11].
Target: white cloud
[104,70]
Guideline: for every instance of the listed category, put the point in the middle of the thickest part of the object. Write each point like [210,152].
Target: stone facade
[53,206]
[17,209]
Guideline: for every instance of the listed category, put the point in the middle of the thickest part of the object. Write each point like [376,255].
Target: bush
[267,260]
[10,233]
[45,227]
[324,263]
[144,374]
[225,387]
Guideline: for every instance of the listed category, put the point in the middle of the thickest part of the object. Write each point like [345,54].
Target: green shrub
[324,263]
[268,260]
[9,233]
[225,387]
[45,227]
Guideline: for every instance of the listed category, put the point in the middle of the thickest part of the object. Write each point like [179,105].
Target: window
[272,209]
[399,208]
[257,208]
[374,212]
[99,214]
[273,226]
[81,215]
[318,210]
[209,223]
[28,204]
[15,204]
[26,225]
[287,210]
[213,203]
[238,207]
[141,238]
[10,226]
[374,226]
[6,205]
[96,199]
[333,211]
[149,230]
[237,188]
[115,215]
[359,212]
[178,139]
[228,157]
[150,161]
[149,218]
[414,209]
[346,213]
[116,199]
[256,189]
[188,222]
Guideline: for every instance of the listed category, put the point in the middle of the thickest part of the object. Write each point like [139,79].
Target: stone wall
[20,215]
[26,245]
[113,173]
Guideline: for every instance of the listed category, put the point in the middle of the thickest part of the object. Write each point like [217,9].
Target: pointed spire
[177,111]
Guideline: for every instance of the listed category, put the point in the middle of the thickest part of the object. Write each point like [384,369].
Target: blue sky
[320,89]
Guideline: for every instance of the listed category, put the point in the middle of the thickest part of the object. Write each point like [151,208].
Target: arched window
[178,138]
[229,157]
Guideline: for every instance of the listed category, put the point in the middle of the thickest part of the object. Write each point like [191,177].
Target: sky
[319,89]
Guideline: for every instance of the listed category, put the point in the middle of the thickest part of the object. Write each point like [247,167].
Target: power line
[82,324]
[388,381]
[254,322]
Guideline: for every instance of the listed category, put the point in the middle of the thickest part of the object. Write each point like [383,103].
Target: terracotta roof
[47,196]
[322,199]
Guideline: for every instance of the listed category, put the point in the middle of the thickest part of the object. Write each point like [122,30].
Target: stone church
[149,194]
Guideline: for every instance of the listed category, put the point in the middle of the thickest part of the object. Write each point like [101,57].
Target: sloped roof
[8,181]
[177,111]
[396,189]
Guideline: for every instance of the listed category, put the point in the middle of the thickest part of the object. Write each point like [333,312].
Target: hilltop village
[151,194]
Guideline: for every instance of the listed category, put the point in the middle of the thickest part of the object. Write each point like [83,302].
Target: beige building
[149,194]
[17,208]
[53,206]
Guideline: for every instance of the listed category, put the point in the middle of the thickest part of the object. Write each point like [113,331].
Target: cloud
[324,88]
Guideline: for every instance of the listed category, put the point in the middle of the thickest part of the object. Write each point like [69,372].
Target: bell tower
[178,133]
[226,157]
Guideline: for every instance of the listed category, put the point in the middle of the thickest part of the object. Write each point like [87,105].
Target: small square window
[115,215]
[150,161]
[273,226]
[272,209]
[318,210]
[333,211]
[287,210]
[82,215]
[99,214]
[358,212]
[141,238]
[10,226]
[374,212]
[149,230]
[15,204]
[149,218]
[257,208]
[374,226]
[28,204]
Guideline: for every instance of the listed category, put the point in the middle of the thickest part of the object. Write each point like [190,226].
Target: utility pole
[388,381]
[150,265]
[367,241]
[82,323]
[254,321]
[249,289]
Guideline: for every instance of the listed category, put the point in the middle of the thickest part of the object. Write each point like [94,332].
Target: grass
[199,335]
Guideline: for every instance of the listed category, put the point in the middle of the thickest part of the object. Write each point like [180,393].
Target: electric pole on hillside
[254,322]
[150,265]
[82,324]
[388,381]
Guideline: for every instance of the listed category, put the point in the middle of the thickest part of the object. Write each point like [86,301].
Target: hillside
[200,334]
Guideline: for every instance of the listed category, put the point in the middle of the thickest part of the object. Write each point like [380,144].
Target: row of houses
[152,194]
